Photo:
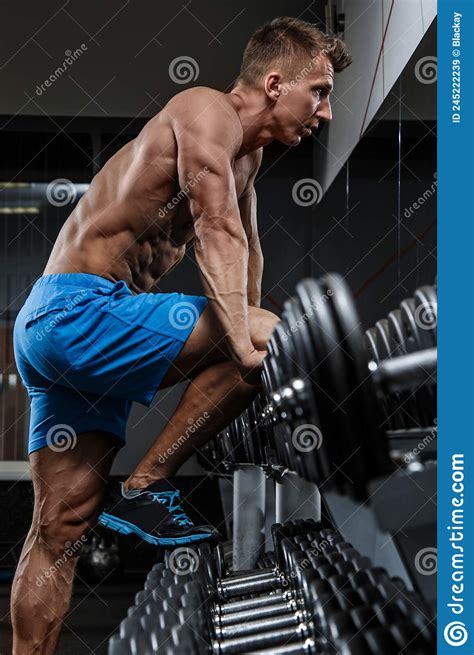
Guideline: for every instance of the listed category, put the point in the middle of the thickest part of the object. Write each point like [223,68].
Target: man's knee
[69,487]
[261,324]
[65,523]
[64,538]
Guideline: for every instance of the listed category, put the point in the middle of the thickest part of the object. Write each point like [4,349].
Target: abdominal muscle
[139,261]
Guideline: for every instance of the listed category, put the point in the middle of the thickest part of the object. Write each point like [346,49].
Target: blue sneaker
[153,514]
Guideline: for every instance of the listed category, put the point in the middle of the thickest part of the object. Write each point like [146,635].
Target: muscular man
[92,336]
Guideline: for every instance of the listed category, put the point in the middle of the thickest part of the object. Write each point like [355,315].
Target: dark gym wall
[124,70]
[381,235]
[376,224]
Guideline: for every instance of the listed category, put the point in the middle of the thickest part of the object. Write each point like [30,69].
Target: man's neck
[255,118]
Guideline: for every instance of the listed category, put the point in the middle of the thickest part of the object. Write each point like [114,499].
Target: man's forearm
[221,254]
[255,273]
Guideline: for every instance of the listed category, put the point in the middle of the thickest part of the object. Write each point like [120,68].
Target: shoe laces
[173,506]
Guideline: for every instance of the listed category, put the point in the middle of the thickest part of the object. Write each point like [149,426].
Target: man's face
[303,102]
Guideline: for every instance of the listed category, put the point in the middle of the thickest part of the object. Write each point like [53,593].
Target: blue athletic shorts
[86,347]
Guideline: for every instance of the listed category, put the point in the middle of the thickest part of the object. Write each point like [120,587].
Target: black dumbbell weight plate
[362,407]
[386,350]
[426,315]
[327,381]
[408,313]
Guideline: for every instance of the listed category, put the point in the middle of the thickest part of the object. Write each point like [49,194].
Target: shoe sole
[124,527]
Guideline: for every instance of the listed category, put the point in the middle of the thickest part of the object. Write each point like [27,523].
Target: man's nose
[324,111]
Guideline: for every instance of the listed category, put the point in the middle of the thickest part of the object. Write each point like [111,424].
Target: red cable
[393,258]
[376,69]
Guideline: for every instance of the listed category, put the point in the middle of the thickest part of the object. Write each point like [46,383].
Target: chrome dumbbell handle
[264,611]
[274,597]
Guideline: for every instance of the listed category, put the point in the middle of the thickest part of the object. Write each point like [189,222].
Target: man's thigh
[207,345]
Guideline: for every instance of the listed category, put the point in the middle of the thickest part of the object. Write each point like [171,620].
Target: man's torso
[134,221]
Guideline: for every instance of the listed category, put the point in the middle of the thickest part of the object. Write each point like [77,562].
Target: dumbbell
[377,353]
[327,601]
[346,426]
[386,349]
[412,404]
[320,333]
[277,619]
[251,582]
[329,618]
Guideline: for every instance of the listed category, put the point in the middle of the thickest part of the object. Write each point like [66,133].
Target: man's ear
[273,85]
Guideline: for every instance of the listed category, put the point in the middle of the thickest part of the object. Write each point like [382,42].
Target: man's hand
[251,366]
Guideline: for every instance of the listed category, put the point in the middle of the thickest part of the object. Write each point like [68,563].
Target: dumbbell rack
[399,359]
[321,597]
[315,597]
[262,497]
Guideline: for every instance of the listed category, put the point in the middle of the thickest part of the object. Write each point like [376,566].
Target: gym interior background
[358,199]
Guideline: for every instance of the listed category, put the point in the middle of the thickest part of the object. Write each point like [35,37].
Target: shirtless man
[92,337]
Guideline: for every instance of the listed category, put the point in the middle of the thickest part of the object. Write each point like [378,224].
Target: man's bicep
[205,176]
[206,145]
[199,156]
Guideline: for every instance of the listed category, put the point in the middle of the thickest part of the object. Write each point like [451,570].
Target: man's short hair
[289,44]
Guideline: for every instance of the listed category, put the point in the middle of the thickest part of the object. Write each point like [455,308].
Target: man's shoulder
[204,115]
[201,101]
